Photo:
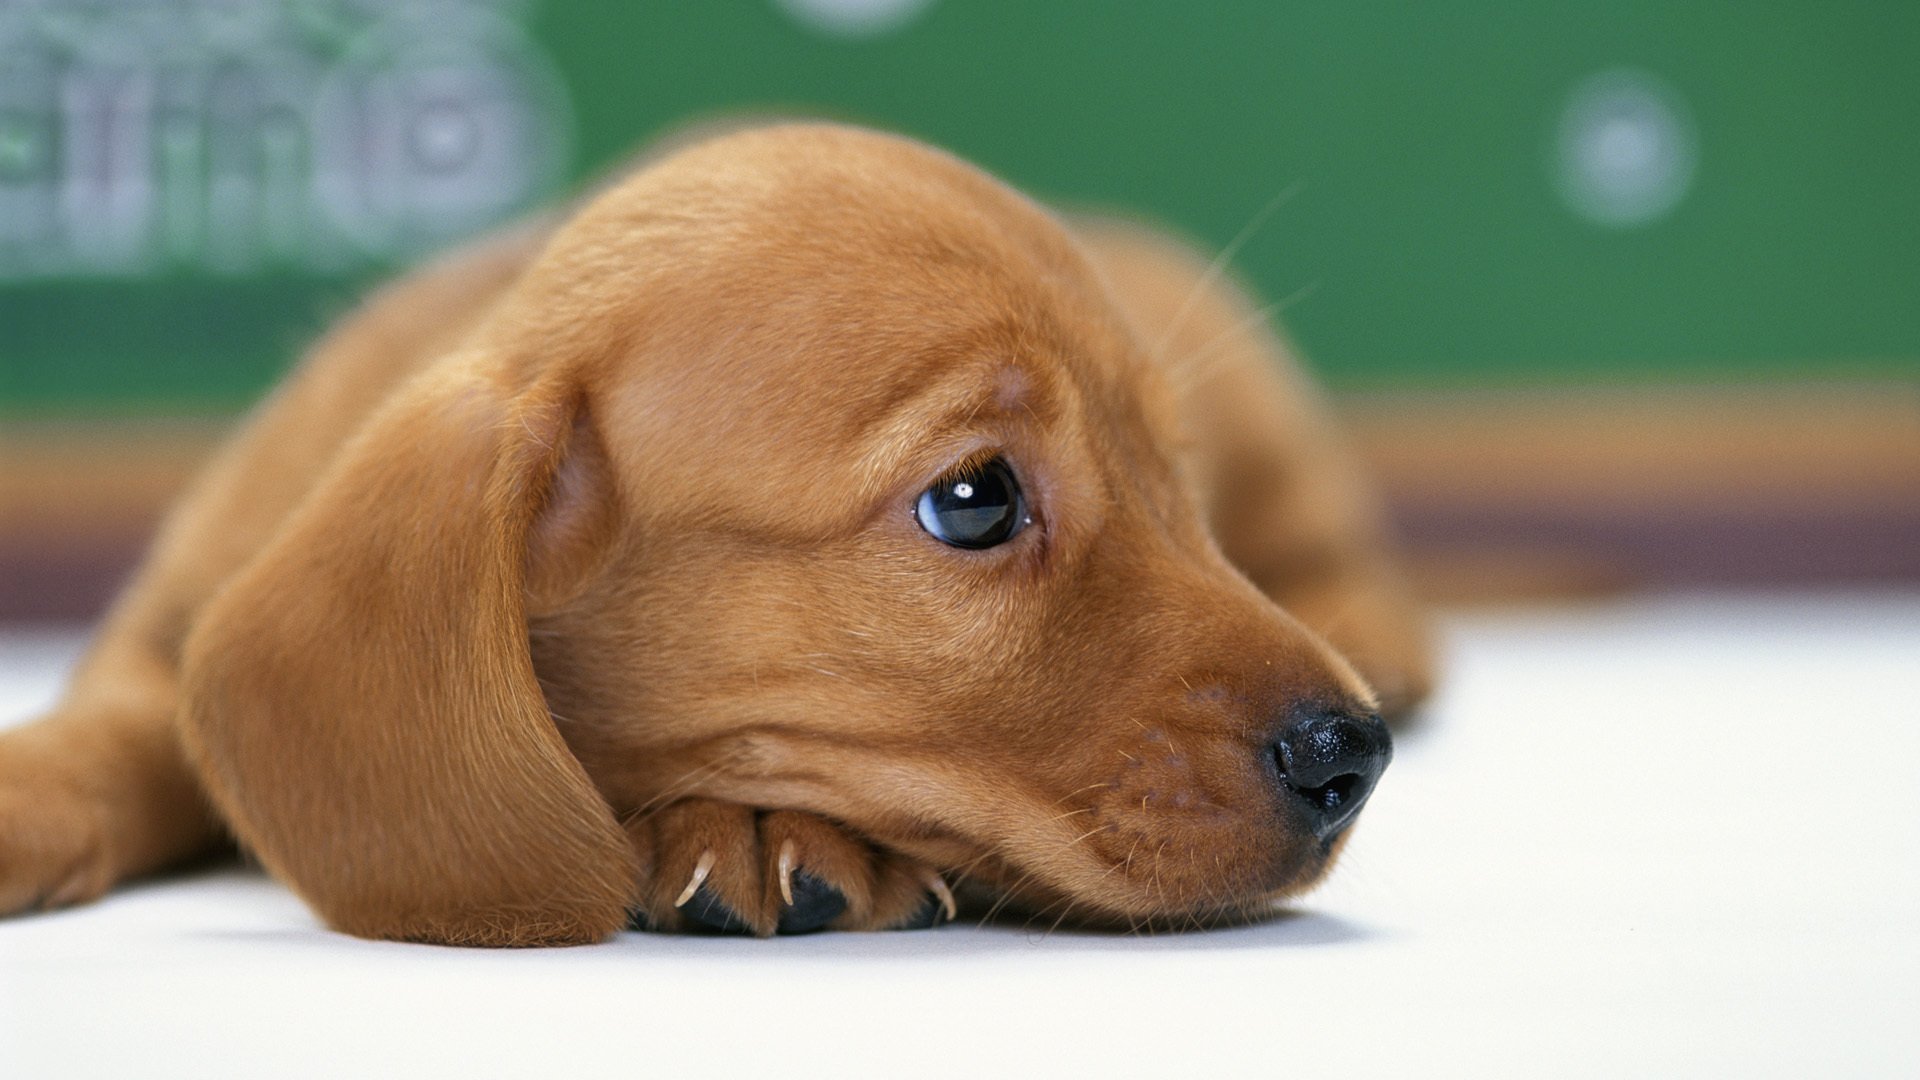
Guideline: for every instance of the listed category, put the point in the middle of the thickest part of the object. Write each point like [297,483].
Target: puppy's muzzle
[1329,763]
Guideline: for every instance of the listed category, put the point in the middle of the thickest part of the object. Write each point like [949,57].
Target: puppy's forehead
[822,301]
[847,411]
[808,196]
[823,235]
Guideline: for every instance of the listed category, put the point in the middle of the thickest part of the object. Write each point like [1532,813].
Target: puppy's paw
[717,867]
[53,850]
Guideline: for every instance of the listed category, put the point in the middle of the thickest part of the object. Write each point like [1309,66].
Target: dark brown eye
[979,508]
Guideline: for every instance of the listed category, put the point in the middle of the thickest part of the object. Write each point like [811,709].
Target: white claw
[786,871]
[938,886]
[700,871]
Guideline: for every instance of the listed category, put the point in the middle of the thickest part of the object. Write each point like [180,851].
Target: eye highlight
[978,508]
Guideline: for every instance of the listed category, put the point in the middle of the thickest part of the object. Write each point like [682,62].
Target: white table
[1654,838]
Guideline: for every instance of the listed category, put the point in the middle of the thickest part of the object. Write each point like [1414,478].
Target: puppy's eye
[975,509]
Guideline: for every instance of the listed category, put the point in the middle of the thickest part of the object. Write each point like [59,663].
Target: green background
[1427,240]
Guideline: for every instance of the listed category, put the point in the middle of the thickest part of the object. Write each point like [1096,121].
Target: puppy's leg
[715,866]
[1282,491]
[98,791]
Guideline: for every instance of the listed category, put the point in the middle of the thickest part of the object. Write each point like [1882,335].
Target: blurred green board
[1487,193]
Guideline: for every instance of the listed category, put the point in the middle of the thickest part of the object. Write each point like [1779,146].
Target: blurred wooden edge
[1642,448]
[1506,495]
[1500,495]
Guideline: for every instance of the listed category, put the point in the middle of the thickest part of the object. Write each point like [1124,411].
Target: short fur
[584,559]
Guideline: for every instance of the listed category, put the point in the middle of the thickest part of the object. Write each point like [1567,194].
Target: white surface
[1667,838]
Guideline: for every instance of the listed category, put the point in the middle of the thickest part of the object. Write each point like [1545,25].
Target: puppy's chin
[1032,907]
[995,891]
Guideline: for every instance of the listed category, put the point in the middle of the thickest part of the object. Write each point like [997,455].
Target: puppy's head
[873,505]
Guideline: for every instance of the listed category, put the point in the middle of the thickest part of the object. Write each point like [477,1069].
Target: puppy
[807,522]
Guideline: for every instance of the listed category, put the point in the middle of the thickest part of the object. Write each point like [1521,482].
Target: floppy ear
[361,701]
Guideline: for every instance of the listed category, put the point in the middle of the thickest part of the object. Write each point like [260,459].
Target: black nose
[1329,763]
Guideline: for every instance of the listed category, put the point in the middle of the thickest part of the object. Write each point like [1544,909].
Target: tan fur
[586,557]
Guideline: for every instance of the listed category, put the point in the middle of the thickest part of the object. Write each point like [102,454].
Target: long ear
[362,704]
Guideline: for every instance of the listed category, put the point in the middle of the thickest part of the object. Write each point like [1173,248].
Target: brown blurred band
[1499,495]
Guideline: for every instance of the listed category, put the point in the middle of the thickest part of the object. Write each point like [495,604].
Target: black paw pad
[706,911]
[815,904]
[931,914]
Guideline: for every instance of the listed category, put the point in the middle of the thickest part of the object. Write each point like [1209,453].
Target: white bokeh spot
[1626,150]
[854,18]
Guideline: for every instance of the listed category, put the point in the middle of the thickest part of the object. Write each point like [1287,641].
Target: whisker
[670,793]
[1219,266]
[966,869]
[1084,835]
[1089,787]
[1058,921]
[1006,897]
[1193,368]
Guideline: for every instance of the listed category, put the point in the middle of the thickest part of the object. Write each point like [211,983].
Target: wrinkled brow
[955,407]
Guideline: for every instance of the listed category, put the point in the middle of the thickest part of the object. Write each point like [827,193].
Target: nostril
[1330,763]
[1332,794]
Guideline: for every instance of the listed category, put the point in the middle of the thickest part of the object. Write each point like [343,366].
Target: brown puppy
[808,517]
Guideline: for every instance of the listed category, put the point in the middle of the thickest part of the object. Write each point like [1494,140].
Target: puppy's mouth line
[1029,902]
[1047,849]
[1129,890]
